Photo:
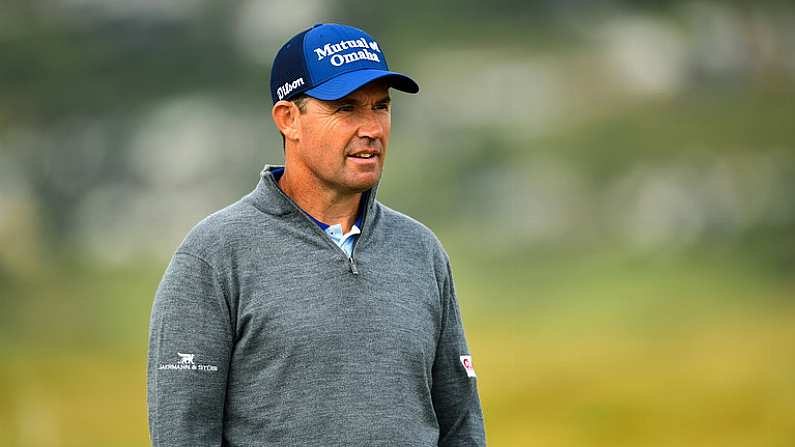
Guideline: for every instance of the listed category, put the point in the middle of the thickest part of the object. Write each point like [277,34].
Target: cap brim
[346,83]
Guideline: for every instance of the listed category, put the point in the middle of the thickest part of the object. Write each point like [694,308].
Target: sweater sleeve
[190,343]
[454,389]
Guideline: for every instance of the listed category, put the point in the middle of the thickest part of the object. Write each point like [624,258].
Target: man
[308,313]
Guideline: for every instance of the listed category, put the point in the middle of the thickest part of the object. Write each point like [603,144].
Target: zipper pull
[354,270]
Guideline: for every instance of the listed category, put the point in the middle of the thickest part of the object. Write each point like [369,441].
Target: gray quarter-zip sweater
[265,333]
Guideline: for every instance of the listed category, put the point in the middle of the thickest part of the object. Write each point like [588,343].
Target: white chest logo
[186,358]
[466,362]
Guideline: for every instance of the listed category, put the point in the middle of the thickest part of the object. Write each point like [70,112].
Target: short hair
[300,102]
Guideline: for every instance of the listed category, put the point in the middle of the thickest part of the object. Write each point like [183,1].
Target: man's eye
[382,106]
[345,108]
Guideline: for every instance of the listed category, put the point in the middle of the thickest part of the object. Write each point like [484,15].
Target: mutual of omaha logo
[466,362]
[188,362]
[352,51]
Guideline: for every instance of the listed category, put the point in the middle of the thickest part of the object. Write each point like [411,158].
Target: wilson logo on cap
[288,87]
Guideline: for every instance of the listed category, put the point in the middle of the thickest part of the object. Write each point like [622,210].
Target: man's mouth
[364,155]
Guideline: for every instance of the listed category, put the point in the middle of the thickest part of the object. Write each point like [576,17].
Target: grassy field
[721,380]
[576,351]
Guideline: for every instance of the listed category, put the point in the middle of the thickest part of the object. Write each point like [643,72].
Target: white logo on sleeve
[186,358]
[187,362]
[466,362]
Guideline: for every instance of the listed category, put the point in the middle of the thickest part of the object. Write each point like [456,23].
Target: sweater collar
[270,199]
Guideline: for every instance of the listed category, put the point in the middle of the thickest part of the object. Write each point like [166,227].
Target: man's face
[343,143]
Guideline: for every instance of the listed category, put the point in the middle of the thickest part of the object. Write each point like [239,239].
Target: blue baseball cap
[329,62]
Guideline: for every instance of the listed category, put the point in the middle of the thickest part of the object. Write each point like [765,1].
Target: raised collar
[277,172]
[270,199]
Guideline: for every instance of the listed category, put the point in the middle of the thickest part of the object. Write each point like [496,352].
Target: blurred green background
[614,181]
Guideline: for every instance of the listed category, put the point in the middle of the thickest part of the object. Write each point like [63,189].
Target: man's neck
[326,205]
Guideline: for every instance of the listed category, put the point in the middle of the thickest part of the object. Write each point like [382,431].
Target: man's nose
[371,126]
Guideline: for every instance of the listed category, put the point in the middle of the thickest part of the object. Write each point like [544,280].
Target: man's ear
[285,116]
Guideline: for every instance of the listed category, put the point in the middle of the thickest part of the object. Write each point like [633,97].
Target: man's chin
[363,184]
